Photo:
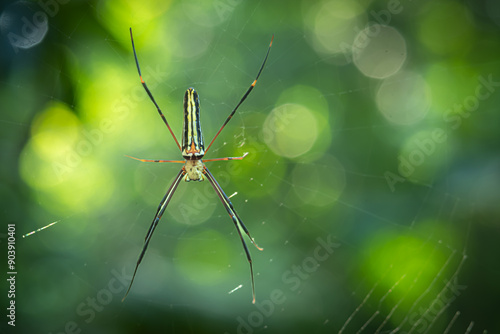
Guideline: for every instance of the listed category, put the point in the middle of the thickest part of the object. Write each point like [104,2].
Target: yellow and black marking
[193,147]
[194,169]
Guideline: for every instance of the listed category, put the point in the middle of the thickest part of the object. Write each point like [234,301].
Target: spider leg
[149,93]
[159,213]
[244,95]
[236,220]
[152,160]
[221,159]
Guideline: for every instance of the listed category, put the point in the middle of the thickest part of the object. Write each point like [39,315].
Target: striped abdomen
[192,139]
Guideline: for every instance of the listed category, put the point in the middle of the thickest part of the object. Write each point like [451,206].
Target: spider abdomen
[192,139]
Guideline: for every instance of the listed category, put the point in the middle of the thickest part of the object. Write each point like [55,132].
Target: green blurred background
[372,180]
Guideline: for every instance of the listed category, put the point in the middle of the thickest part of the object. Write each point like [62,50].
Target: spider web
[423,313]
[290,234]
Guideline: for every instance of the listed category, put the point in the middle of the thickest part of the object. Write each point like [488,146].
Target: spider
[193,150]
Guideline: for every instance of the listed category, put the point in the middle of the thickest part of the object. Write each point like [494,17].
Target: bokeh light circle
[379,51]
[58,161]
[446,27]
[196,204]
[54,131]
[333,25]
[290,130]
[24,24]
[404,98]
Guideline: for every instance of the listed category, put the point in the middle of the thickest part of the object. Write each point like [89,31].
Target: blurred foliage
[372,179]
